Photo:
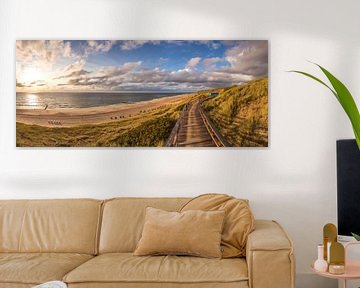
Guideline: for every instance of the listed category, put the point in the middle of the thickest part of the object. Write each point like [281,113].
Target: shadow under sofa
[90,243]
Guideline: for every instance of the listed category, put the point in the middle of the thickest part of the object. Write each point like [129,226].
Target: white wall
[292,181]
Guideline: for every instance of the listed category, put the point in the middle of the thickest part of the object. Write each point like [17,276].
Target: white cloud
[209,63]
[102,78]
[75,66]
[132,76]
[112,71]
[249,58]
[134,44]
[215,45]
[100,46]
[42,52]
[193,62]
[212,44]
[67,50]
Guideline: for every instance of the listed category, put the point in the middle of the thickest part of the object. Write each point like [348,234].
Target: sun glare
[31,75]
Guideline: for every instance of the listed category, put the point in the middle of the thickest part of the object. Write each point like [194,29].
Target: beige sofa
[89,243]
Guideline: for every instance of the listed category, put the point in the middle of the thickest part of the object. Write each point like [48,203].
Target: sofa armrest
[269,255]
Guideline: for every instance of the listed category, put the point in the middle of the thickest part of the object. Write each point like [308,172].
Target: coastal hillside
[148,128]
[241,113]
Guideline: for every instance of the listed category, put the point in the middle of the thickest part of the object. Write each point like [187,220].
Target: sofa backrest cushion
[64,226]
[123,220]
[239,220]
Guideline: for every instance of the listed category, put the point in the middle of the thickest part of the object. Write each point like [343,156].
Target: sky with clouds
[133,65]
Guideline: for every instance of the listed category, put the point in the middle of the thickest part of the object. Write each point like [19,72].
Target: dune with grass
[241,113]
[142,124]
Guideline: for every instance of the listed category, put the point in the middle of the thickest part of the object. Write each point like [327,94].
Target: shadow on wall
[296,128]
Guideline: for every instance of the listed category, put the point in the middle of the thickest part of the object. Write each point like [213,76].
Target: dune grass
[241,113]
[146,129]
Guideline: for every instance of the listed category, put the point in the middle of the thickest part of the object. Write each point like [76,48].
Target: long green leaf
[357,237]
[344,97]
[347,102]
[357,137]
[316,79]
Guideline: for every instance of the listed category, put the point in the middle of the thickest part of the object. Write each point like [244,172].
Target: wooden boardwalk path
[194,129]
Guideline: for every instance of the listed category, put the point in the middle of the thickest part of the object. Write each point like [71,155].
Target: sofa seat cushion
[36,268]
[127,268]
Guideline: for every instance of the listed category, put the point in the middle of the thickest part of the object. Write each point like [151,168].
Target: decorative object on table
[329,236]
[52,284]
[351,268]
[337,258]
[336,269]
[344,97]
[320,264]
[333,251]
[136,93]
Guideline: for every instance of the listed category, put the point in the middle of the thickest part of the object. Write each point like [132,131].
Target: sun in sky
[31,75]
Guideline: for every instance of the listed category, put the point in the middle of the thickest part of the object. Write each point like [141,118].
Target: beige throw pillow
[196,233]
[239,220]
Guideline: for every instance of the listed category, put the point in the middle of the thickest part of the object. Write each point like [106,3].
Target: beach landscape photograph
[132,93]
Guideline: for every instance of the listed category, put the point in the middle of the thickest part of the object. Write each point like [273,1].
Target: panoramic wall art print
[131,93]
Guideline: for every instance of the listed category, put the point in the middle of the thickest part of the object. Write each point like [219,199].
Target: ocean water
[81,100]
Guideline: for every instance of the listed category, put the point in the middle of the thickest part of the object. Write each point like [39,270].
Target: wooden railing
[215,135]
[217,138]
[172,140]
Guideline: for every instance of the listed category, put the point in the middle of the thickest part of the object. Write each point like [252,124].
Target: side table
[352,268]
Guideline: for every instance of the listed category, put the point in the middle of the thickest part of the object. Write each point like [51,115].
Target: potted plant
[345,99]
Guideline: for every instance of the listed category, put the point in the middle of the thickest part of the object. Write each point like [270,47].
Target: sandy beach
[66,117]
